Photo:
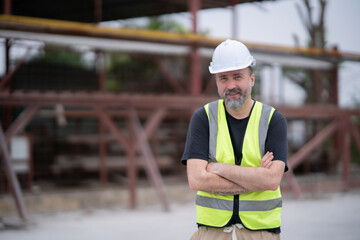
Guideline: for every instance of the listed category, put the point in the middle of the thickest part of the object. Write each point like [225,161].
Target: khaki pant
[207,233]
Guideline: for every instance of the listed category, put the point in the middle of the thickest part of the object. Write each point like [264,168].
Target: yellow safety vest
[257,210]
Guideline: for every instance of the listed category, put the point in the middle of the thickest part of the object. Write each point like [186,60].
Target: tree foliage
[316,83]
[125,71]
[56,55]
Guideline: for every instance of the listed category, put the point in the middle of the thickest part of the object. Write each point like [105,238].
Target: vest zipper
[236,197]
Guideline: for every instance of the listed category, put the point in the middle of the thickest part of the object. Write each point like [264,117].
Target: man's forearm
[251,178]
[213,183]
[202,180]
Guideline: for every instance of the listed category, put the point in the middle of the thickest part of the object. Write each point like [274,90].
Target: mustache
[233,91]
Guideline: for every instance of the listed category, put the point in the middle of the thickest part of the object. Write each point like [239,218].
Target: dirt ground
[327,216]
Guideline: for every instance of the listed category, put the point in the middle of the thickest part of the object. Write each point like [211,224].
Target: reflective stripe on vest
[257,210]
[213,127]
[223,204]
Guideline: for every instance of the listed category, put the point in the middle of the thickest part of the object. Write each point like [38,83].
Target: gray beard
[233,103]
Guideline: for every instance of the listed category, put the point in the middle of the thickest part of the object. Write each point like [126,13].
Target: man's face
[235,87]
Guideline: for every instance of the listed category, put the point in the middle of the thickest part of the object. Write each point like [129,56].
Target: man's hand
[266,161]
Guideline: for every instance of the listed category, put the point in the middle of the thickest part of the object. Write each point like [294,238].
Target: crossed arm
[222,178]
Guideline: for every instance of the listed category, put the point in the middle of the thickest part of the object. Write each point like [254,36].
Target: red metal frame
[6,79]
[21,121]
[11,176]
[138,140]
[175,85]
[298,157]
[195,72]
[151,166]
[131,106]
[162,104]
[356,134]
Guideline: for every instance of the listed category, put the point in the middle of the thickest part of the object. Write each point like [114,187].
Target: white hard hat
[231,55]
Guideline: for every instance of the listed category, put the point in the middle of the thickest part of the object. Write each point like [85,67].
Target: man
[236,153]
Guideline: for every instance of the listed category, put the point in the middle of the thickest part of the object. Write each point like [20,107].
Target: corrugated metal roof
[85,10]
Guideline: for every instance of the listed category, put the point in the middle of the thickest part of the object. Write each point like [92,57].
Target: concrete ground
[327,216]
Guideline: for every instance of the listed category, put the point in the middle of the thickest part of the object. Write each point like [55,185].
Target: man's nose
[231,84]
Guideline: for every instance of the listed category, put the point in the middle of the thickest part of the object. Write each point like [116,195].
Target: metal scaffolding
[153,108]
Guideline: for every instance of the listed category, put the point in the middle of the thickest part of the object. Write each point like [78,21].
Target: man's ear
[252,80]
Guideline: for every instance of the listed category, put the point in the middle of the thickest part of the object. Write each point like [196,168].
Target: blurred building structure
[77,128]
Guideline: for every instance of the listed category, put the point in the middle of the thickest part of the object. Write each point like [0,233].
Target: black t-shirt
[197,141]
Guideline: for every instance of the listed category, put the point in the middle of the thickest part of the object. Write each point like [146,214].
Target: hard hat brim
[214,71]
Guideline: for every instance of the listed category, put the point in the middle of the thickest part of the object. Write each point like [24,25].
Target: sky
[277,22]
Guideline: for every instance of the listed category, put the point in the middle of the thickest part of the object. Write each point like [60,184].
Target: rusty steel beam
[131,165]
[151,101]
[107,121]
[298,157]
[102,154]
[294,186]
[151,166]
[129,149]
[38,25]
[7,7]
[316,112]
[345,153]
[11,177]
[6,79]
[153,122]
[119,113]
[174,84]
[194,6]
[334,91]
[20,122]
[195,71]
[100,68]
[7,63]
[355,133]
[97,11]
[89,99]
[150,126]
[196,83]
